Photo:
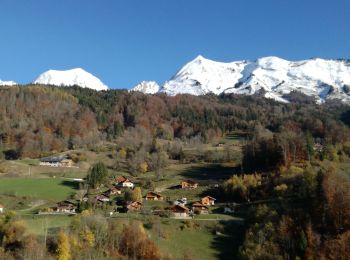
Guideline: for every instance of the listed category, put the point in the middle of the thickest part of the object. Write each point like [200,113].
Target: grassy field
[39,224]
[54,189]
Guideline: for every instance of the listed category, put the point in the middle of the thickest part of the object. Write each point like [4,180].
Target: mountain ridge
[320,78]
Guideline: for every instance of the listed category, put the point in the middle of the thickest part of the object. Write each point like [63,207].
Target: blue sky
[123,42]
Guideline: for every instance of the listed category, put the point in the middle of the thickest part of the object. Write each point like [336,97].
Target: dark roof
[190,182]
[53,159]
[153,194]
[179,207]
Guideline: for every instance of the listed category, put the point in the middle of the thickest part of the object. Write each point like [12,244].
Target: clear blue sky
[125,41]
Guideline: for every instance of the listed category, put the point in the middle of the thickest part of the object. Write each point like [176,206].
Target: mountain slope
[147,87]
[71,77]
[275,77]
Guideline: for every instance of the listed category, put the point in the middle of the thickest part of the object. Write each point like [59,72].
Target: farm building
[178,211]
[122,181]
[208,201]
[199,208]
[65,207]
[153,196]
[2,207]
[188,184]
[56,161]
[113,191]
[102,198]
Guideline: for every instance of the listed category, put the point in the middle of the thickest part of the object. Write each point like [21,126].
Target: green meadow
[51,189]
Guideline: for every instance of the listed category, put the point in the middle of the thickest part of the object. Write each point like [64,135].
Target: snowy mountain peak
[77,76]
[7,83]
[276,77]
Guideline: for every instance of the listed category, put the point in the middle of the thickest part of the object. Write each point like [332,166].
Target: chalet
[153,196]
[199,208]
[56,161]
[65,207]
[2,208]
[188,184]
[102,198]
[112,191]
[178,211]
[208,201]
[122,181]
[134,206]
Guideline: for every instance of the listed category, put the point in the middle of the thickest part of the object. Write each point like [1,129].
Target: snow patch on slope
[147,87]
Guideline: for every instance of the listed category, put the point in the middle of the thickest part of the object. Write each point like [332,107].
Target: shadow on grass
[229,240]
[210,173]
[71,184]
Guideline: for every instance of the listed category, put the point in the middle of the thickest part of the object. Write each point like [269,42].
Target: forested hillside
[281,170]
[37,120]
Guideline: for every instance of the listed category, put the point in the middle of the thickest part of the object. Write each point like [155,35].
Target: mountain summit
[71,77]
[273,76]
[7,83]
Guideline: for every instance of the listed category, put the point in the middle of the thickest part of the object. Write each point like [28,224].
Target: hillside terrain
[267,171]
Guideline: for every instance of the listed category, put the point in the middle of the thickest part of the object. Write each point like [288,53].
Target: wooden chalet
[153,196]
[134,206]
[112,191]
[199,208]
[208,201]
[188,184]
[178,211]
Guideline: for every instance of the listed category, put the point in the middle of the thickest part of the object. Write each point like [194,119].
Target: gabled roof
[209,197]
[2,206]
[190,182]
[121,179]
[198,204]
[153,194]
[179,207]
[54,159]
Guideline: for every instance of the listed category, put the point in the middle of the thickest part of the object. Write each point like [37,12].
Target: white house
[2,208]
[181,202]
[127,184]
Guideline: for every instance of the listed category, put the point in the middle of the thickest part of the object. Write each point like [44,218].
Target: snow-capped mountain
[71,77]
[147,87]
[7,83]
[276,77]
